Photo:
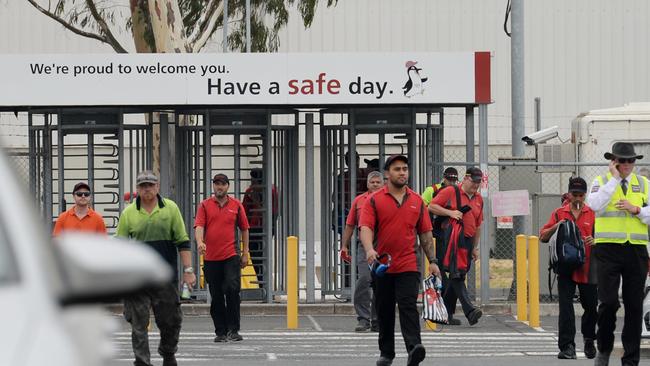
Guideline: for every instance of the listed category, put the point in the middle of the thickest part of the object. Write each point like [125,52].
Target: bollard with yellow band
[201,273]
[533,280]
[292,282]
[522,296]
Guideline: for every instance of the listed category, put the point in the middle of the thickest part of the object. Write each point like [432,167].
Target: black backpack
[566,248]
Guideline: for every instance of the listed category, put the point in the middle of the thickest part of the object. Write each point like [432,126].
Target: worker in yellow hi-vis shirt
[620,200]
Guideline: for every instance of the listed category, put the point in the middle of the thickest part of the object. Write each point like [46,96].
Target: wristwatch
[188,270]
[433,261]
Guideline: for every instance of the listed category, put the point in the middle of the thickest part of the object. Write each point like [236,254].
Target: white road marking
[315,323]
[271,357]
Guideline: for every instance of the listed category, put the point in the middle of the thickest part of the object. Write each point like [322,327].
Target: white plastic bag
[434,309]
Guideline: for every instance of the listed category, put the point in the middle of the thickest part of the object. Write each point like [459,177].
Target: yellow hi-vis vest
[619,226]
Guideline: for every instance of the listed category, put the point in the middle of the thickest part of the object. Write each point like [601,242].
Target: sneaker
[454,321]
[602,359]
[221,338]
[362,326]
[568,353]
[234,336]
[374,326]
[384,361]
[474,316]
[416,355]
[590,349]
[169,360]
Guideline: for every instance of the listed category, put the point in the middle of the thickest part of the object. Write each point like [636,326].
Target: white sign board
[245,79]
[510,203]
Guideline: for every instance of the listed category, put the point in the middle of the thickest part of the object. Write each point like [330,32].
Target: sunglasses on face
[82,194]
[626,161]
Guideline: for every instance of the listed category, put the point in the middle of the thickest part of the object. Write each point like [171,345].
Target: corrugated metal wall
[580,54]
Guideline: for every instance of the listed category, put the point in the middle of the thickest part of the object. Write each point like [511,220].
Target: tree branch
[104,27]
[66,24]
[206,23]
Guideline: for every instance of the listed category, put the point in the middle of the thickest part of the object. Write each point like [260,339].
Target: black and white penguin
[414,85]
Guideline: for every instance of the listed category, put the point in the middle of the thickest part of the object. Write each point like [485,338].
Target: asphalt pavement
[330,339]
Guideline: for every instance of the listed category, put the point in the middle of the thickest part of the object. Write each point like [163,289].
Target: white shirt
[599,196]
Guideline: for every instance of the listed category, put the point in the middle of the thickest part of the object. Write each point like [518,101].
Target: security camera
[541,136]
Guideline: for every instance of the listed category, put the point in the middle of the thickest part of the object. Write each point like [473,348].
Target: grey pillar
[485,235]
[164,154]
[225,26]
[469,156]
[309,207]
[248,26]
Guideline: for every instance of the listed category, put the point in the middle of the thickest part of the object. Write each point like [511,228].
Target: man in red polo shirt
[80,217]
[217,220]
[390,220]
[363,304]
[584,277]
[445,204]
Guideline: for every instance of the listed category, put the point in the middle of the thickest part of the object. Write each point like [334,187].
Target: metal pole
[485,234]
[538,114]
[309,207]
[248,26]
[469,156]
[517,77]
[225,26]
[354,168]
[164,154]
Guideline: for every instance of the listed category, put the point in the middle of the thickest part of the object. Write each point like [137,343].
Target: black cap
[450,173]
[475,174]
[256,173]
[221,178]
[394,158]
[577,184]
[80,185]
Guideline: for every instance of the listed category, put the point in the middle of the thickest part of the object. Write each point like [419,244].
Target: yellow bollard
[292,282]
[533,280]
[201,274]
[522,300]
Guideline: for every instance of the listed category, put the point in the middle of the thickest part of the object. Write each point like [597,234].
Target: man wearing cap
[364,307]
[620,200]
[80,217]
[156,221]
[584,277]
[445,204]
[390,220]
[215,230]
[449,177]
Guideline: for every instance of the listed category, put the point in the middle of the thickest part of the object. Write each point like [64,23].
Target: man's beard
[398,184]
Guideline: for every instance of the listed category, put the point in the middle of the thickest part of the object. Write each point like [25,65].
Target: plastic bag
[434,309]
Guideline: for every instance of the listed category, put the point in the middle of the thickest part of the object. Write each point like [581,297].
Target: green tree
[176,25]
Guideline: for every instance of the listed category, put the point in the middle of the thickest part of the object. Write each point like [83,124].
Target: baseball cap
[221,178]
[475,174]
[80,185]
[394,158]
[578,185]
[450,173]
[146,176]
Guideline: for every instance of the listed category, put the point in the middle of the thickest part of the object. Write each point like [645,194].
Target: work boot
[362,326]
[234,336]
[568,353]
[454,321]
[169,360]
[221,338]
[416,355]
[474,316]
[602,359]
[590,349]
[384,361]
[374,326]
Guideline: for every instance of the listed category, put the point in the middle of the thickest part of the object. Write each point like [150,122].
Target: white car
[49,290]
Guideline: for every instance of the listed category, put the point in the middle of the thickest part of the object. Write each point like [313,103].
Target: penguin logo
[415,84]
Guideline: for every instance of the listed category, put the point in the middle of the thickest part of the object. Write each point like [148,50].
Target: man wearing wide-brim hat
[620,199]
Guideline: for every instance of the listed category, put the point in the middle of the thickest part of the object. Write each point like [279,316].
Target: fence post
[292,282]
[533,280]
[522,301]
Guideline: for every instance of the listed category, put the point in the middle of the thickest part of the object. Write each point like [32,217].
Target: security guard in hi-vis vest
[620,200]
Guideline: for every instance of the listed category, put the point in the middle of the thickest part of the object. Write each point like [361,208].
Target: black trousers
[454,289]
[629,262]
[401,289]
[566,288]
[224,278]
